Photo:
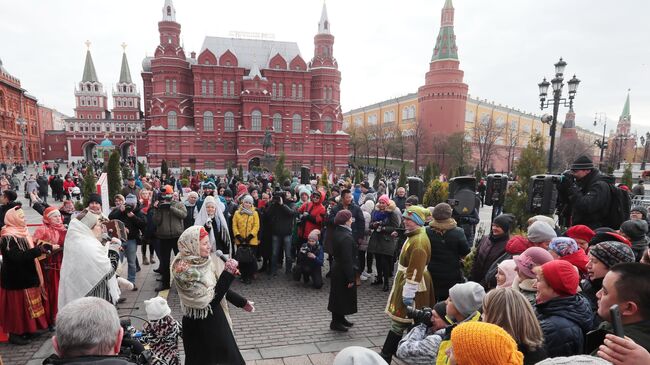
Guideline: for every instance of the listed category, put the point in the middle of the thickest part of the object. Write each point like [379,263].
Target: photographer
[311,216]
[128,212]
[168,217]
[281,218]
[420,345]
[310,261]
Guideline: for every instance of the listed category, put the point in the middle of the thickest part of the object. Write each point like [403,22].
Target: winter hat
[314,235]
[227,193]
[365,184]
[467,297]
[95,198]
[442,212]
[357,355]
[481,343]
[342,216]
[441,309]
[49,211]
[611,253]
[508,268]
[540,231]
[131,200]
[582,163]
[562,276]
[384,199]
[156,308]
[641,209]
[118,196]
[575,360]
[167,190]
[504,221]
[304,190]
[532,257]
[608,236]
[247,199]
[580,232]
[416,214]
[413,200]
[563,246]
[88,218]
[635,229]
[517,244]
[542,218]
[368,206]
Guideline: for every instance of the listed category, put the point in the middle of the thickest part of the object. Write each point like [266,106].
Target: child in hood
[161,332]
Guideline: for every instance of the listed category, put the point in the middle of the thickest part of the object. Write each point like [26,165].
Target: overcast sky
[383,47]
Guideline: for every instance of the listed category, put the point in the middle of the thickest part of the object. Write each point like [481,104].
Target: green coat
[415,256]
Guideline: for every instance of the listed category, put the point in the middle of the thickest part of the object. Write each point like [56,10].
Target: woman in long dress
[22,297]
[203,287]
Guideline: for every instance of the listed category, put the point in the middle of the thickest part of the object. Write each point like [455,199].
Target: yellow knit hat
[479,343]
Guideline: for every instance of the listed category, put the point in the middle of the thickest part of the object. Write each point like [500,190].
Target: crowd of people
[536,297]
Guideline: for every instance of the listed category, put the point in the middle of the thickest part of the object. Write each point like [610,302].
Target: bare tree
[355,140]
[417,139]
[486,133]
[460,151]
[397,145]
[365,140]
[512,141]
[567,150]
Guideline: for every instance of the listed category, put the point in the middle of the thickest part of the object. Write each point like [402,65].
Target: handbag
[245,254]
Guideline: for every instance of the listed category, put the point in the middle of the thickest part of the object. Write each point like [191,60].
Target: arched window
[273,90]
[174,87]
[232,88]
[297,124]
[256,117]
[328,125]
[299,91]
[277,122]
[171,120]
[208,122]
[229,122]
[293,91]
[204,87]
[224,86]
[281,90]
[211,87]
[329,93]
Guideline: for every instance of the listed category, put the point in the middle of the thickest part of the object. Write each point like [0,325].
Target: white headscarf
[222,225]
[85,264]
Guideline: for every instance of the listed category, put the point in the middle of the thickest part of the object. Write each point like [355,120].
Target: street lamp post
[602,144]
[558,83]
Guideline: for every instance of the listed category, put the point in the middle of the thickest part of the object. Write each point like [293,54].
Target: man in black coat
[281,219]
[43,187]
[343,291]
[127,210]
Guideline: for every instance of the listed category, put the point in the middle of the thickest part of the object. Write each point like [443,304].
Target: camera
[304,250]
[420,316]
[128,208]
[131,348]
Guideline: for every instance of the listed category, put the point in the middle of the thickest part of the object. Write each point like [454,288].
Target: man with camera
[281,217]
[587,192]
[168,217]
[127,211]
[421,342]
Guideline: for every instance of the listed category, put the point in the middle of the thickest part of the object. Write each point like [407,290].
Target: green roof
[125,73]
[448,4]
[445,45]
[626,108]
[89,69]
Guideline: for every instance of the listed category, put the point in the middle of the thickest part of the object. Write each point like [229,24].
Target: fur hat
[156,308]
[467,297]
[540,231]
[611,253]
[442,212]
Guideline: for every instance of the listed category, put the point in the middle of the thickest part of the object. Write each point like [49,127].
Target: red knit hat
[580,232]
[562,276]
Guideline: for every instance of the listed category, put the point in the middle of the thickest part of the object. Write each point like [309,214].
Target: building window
[232,88]
[171,120]
[329,93]
[224,86]
[328,125]
[209,165]
[277,122]
[166,87]
[297,124]
[229,122]
[293,91]
[372,119]
[173,87]
[299,91]
[281,90]
[211,87]
[256,117]
[273,90]
[204,87]
[208,122]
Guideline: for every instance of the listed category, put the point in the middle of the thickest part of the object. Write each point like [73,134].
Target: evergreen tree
[378,177]
[358,176]
[89,184]
[626,179]
[435,170]
[280,172]
[163,168]
[428,174]
[437,192]
[114,176]
[142,170]
[324,181]
[229,173]
[402,177]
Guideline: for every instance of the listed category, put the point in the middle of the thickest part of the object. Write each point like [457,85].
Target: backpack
[619,207]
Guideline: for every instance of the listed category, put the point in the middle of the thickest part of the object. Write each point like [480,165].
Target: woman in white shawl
[203,284]
[88,268]
[212,219]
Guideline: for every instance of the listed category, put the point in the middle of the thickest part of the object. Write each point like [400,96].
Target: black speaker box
[542,194]
[462,194]
[304,175]
[495,191]
[416,187]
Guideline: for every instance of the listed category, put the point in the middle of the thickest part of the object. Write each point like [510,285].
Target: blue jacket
[565,322]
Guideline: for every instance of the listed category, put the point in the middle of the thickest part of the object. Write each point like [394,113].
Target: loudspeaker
[495,191]
[304,175]
[462,194]
[542,194]
[416,187]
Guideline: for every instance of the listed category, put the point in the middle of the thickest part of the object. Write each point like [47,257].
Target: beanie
[582,163]
[342,216]
[441,309]
[542,218]
[608,236]
[314,235]
[504,221]
[580,232]
[562,276]
[416,214]
[384,199]
[635,229]
[563,246]
[357,355]
[227,193]
[508,268]
[481,343]
[442,212]
[247,199]
[529,259]
[412,200]
[574,360]
[156,308]
[95,198]
[48,211]
[540,232]
[641,209]
[611,253]
[131,200]
[167,190]
[467,297]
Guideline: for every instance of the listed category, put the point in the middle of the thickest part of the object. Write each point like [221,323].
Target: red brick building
[216,109]
[17,105]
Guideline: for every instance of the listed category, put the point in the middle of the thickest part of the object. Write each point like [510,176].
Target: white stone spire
[169,12]
[324,24]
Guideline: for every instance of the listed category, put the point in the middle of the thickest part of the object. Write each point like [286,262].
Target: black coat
[210,340]
[359,224]
[343,300]
[590,200]
[445,265]
[134,224]
[42,186]
[18,270]
[565,322]
[281,218]
[488,251]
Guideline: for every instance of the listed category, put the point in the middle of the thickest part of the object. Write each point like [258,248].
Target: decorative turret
[170,33]
[324,43]
[625,120]
[446,43]
[126,99]
[90,96]
[324,24]
[169,12]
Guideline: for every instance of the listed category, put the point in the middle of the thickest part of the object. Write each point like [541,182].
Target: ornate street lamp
[557,83]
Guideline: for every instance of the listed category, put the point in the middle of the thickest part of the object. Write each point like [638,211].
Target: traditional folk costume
[52,233]
[22,296]
[412,284]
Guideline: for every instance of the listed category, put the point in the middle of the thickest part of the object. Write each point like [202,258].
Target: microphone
[220,255]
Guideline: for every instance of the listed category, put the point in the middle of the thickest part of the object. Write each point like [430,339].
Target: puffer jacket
[565,322]
[168,218]
[245,225]
[381,240]
[488,251]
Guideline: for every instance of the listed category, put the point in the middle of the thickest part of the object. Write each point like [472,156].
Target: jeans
[130,250]
[285,241]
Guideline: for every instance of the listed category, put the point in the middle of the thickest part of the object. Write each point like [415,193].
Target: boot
[346,323]
[152,261]
[377,281]
[145,260]
[336,326]
[390,346]
[385,287]
[21,340]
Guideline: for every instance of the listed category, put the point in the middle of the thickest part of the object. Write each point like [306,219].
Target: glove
[231,266]
[249,238]
[249,307]
[239,238]
[566,181]
[408,293]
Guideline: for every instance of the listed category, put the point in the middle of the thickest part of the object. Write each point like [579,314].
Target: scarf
[246,211]
[443,225]
[15,226]
[202,219]
[196,277]
[49,232]
[379,216]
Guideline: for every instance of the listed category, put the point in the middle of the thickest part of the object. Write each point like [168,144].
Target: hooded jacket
[565,322]
[590,200]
